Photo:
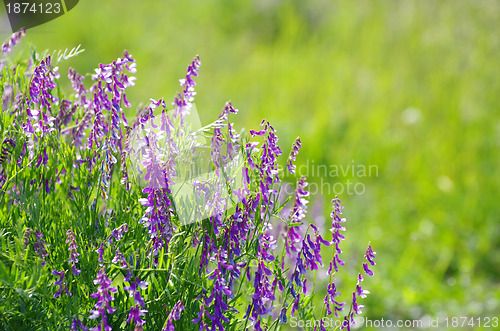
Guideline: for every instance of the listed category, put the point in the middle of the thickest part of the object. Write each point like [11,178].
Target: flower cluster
[73,255]
[242,245]
[8,144]
[104,298]
[39,119]
[298,212]
[263,297]
[293,155]
[174,315]
[359,292]
[337,237]
[60,283]
[136,311]
[268,167]
[183,101]
[40,244]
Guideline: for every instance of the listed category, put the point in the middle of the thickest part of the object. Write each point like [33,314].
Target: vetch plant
[154,222]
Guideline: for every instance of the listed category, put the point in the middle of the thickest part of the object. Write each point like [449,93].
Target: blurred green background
[412,87]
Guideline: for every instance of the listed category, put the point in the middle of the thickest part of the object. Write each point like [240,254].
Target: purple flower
[40,245]
[77,323]
[216,143]
[330,298]
[368,271]
[117,233]
[70,192]
[5,152]
[263,297]
[356,308]
[106,169]
[107,93]
[337,237]
[3,178]
[174,315]
[112,81]
[77,84]
[282,317]
[39,104]
[99,128]
[78,133]
[203,316]
[159,208]
[7,97]
[135,311]
[65,115]
[73,257]
[346,324]
[13,40]
[42,83]
[59,282]
[100,251]
[104,298]
[157,219]
[321,326]
[218,298]
[370,255]
[119,259]
[293,155]
[298,212]
[359,291]
[183,101]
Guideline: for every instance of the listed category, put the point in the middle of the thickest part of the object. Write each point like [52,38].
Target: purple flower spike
[263,290]
[100,251]
[293,155]
[77,323]
[8,145]
[183,102]
[39,119]
[104,298]
[40,245]
[298,212]
[321,326]
[355,306]
[360,292]
[73,255]
[370,255]
[59,282]
[283,318]
[368,271]
[13,40]
[117,233]
[346,324]
[77,84]
[268,168]
[337,237]
[135,311]
[330,298]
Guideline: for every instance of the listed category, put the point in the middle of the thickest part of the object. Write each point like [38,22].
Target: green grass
[341,75]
